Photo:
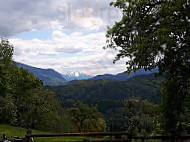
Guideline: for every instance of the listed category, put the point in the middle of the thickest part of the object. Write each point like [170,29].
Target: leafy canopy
[152,33]
[156,33]
[6,50]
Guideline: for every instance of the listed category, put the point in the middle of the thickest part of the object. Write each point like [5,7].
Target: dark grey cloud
[23,15]
[17,16]
[68,49]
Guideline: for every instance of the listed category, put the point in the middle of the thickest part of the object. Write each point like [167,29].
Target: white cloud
[92,64]
[75,43]
[85,53]
[78,34]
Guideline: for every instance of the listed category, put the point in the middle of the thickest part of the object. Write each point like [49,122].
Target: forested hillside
[48,76]
[88,91]
[109,95]
[124,76]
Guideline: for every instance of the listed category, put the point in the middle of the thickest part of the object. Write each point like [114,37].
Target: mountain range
[123,76]
[48,76]
[53,78]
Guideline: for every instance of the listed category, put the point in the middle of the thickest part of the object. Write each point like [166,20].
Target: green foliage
[139,115]
[86,118]
[151,33]
[175,114]
[108,92]
[39,108]
[23,102]
[108,95]
[21,84]
[5,59]
[6,53]
[157,34]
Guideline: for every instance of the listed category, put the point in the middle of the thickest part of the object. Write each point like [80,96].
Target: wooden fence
[113,137]
[29,136]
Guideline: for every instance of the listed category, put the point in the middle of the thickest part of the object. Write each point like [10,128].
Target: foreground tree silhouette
[155,33]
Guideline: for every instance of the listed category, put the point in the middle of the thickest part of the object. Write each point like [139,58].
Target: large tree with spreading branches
[156,33]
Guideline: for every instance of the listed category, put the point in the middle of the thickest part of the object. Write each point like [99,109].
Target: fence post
[28,132]
[111,137]
[130,136]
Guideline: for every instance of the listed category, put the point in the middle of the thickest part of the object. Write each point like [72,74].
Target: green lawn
[21,132]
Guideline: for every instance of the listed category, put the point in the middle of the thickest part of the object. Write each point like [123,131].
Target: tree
[6,53]
[82,112]
[22,83]
[139,114]
[156,33]
[36,105]
[23,101]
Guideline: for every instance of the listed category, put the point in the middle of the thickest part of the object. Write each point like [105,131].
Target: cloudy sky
[66,35]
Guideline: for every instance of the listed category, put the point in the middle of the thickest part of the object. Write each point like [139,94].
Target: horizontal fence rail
[79,134]
[29,136]
[164,137]
[98,141]
[118,137]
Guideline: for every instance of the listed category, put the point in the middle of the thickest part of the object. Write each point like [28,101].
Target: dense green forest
[109,95]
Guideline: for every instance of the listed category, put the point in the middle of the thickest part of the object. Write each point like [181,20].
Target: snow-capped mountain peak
[75,76]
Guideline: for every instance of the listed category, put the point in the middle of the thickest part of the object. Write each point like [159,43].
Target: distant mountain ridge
[123,76]
[53,78]
[48,76]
